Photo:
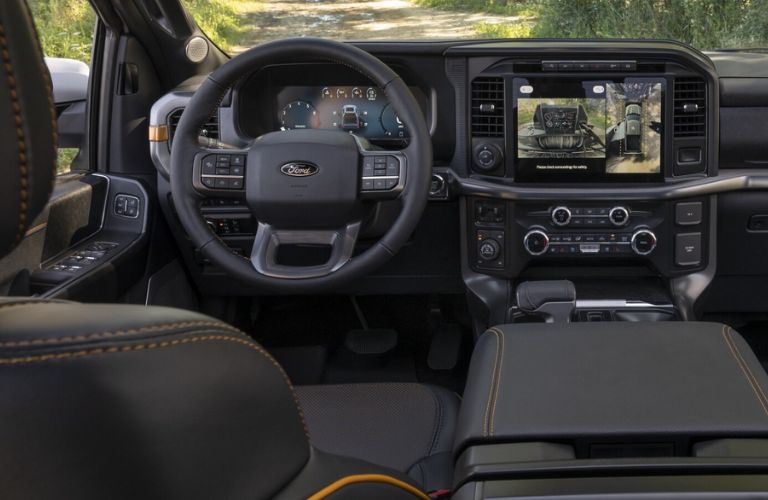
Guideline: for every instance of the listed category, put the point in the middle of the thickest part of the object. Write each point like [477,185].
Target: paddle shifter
[554,301]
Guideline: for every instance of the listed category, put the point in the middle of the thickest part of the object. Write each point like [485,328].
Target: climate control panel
[509,236]
[538,242]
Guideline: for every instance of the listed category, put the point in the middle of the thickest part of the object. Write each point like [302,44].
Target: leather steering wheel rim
[185,148]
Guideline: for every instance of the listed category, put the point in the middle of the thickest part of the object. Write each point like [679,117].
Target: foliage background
[706,24]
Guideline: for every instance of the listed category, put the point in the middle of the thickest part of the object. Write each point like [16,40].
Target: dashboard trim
[725,181]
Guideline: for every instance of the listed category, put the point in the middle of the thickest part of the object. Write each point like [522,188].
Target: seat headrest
[27,125]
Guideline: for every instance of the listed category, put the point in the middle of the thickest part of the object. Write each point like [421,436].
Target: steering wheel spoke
[220,172]
[269,239]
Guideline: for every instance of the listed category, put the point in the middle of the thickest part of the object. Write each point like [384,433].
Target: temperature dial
[536,242]
[643,241]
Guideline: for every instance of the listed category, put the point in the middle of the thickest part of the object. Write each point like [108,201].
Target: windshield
[236,25]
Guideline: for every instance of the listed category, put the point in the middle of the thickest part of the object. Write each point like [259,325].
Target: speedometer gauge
[298,115]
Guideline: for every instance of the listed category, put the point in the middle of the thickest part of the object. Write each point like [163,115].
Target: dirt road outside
[350,20]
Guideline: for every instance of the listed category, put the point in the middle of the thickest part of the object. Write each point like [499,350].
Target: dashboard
[550,157]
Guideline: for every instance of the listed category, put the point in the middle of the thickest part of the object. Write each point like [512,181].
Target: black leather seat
[117,401]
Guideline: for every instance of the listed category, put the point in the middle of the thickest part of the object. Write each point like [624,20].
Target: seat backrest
[27,122]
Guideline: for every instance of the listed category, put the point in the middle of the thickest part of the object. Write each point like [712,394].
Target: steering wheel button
[221,183]
[367,184]
[380,160]
[379,184]
[222,171]
[237,160]
[222,159]
[379,173]
[390,183]
[236,170]
[236,183]
[208,182]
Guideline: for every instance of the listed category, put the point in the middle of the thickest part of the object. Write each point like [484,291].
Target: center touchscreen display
[586,131]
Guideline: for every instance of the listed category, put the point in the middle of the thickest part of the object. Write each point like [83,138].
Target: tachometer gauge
[391,123]
[298,115]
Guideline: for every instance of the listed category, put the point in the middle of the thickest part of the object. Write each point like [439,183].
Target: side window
[66,31]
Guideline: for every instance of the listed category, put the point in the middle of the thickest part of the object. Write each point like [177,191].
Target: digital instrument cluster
[361,110]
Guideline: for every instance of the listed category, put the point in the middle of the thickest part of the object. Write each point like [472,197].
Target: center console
[552,402]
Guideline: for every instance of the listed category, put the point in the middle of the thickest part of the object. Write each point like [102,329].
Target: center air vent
[210,129]
[690,102]
[488,107]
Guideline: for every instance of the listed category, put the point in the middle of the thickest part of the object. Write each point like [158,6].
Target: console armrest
[594,384]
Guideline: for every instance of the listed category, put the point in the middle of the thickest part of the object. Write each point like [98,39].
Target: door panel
[89,244]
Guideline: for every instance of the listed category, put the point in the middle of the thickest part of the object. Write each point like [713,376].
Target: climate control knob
[536,242]
[619,216]
[643,241]
[561,216]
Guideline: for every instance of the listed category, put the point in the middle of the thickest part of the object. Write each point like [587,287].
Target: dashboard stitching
[759,394]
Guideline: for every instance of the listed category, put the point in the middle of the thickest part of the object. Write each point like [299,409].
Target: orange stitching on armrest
[759,394]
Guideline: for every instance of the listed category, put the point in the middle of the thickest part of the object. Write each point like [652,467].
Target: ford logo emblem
[299,169]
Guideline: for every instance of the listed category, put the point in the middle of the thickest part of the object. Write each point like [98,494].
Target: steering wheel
[306,186]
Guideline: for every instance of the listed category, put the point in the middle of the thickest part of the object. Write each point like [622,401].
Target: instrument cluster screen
[360,110]
[571,129]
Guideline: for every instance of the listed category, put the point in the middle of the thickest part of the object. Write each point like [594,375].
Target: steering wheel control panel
[508,236]
[223,171]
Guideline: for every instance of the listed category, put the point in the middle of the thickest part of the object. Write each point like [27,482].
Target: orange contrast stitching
[498,381]
[745,370]
[493,381]
[119,333]
[38,358]
[367,478]
[20,137]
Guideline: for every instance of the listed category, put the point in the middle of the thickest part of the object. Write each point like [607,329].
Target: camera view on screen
[588,129]
[561,128]
[634,139]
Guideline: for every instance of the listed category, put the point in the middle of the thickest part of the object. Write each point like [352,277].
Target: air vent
[210,129]
[690,114]
[488,107]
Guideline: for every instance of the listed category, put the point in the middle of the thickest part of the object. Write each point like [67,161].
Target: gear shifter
[555,301]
